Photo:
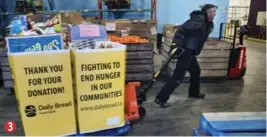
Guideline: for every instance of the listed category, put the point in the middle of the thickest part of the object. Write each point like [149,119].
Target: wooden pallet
[206,65]
[213,60]
[205,73]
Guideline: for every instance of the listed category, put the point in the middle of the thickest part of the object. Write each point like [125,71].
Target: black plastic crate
[4,63]
[3,52]
[139,77]
[9,84]
[140,68]
[118,4]
[140,55]
[6,69]
[6,75]
[140,47]
[147,61]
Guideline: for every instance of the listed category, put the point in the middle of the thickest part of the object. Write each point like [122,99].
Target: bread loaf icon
[30,111]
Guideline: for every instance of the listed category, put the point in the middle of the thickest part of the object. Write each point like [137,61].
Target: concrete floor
[229,96]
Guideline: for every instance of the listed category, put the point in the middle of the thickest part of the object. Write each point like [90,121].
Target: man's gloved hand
[173,46]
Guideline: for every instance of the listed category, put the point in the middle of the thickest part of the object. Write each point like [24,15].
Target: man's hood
[198,15]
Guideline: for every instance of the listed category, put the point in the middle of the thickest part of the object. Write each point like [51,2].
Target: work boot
[162,104]
[199,96]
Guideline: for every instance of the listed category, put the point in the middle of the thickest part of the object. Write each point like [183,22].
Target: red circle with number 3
[10,126]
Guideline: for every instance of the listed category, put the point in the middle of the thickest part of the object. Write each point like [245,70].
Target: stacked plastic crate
[140,62]
[6,71]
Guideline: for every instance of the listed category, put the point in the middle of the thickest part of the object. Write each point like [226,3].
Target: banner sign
[99,85]
[34,43]
[43,86]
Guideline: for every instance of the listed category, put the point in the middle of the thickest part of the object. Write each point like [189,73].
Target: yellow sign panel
[43,84]
[100,82]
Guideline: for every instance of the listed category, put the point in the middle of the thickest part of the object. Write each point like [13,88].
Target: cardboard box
[143,23]
[72,17]
[169,29]
[41,17]
[119,24]
[91,20]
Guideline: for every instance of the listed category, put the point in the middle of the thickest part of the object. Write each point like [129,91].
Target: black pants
[187,62]
[241,37]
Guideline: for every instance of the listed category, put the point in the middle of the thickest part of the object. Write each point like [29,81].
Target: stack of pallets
[232,124]
[6,71]
[213,60]
[140,63]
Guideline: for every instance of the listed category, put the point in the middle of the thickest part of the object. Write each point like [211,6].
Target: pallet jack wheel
[142,112]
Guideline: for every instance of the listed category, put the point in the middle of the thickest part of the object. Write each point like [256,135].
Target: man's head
[210,10]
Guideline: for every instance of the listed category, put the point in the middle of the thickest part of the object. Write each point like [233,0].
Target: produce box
[116,25]
[72,17]
[43,88]
[93,20]
[169,28]
[142,28]
[99,86]
[143,23]
[41,17]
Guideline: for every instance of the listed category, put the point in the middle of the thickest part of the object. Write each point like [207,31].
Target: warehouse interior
[233,75]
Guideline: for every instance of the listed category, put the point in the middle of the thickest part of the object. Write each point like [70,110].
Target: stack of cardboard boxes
[142,28]
[168,34]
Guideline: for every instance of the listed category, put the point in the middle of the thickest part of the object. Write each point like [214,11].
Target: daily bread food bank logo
[31,110]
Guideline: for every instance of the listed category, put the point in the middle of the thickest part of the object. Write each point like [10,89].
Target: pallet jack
[237,64]
[133,102]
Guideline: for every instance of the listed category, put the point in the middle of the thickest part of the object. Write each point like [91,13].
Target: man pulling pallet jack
[188,43]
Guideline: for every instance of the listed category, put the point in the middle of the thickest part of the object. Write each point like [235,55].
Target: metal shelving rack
[100,10]
[152,9]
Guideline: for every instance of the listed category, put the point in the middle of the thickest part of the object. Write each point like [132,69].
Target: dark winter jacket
[244,30]
[194,32]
